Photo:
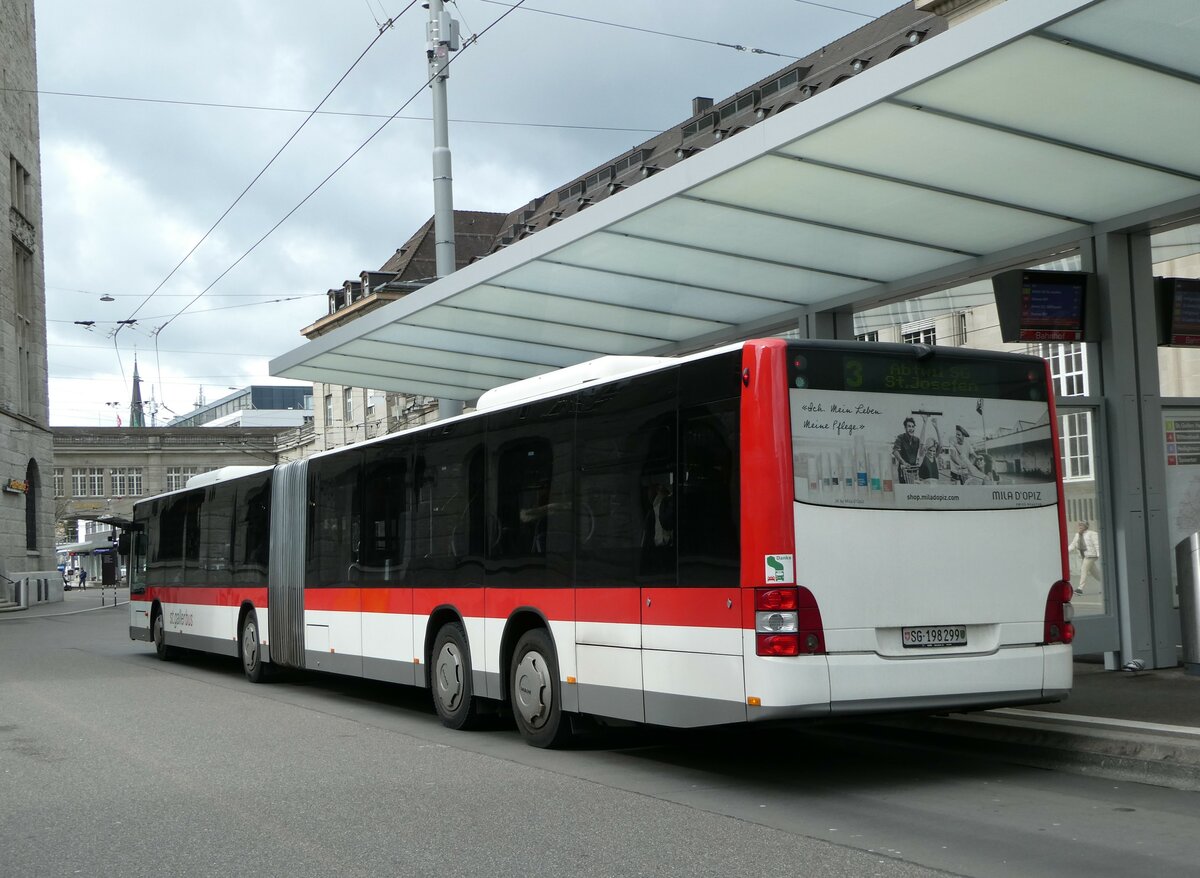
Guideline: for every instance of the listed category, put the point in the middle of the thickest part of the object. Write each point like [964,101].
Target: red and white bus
[772,530]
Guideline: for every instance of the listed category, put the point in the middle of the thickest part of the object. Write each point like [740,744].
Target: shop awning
[1028,127]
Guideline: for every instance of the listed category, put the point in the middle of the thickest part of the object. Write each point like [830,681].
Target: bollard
[1187,566]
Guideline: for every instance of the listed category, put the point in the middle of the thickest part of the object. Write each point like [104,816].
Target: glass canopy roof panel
[776,239]
[954,155]
[591,284]
[1164,32]
[719,271]
[448,377]
[537,331]
[1076,96]
[508,369]
[412,385]
[598,315]
[423,338]
[802,190]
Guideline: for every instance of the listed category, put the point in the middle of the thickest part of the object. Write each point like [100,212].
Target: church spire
[136,417]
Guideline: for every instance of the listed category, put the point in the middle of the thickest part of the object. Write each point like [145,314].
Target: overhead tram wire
[383,29]
[271,161]
[267,109]
[838,9]
[644,30]
[334,172]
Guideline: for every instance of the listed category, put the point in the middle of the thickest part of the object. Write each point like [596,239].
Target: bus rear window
[951,432]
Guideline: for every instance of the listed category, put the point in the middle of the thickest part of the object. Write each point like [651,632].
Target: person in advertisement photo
[846,451]
[965,460]
[916,456]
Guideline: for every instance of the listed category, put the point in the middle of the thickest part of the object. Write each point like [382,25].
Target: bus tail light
[1059,613]
[787,622]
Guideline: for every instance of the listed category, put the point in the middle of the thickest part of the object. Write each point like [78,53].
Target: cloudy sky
[156,116]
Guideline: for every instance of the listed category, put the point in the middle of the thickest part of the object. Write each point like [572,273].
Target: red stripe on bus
[206,596]
[667,605]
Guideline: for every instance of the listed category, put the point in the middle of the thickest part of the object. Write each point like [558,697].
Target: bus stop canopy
[1025,129]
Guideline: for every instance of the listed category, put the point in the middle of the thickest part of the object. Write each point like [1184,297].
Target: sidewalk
[74,601]
[1141,726]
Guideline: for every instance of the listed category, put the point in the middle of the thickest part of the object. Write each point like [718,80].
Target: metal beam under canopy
[1036,124]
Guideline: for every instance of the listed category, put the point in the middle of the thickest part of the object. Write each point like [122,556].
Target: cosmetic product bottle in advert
[814,476]
[876,476]
[826,473]
[848,484]
[889,487]
[860,460]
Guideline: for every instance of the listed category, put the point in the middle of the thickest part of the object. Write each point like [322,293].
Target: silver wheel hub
[533,694]
[448,676]
[250,645]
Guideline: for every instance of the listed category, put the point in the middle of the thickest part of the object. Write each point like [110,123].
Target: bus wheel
[159,634]
[536,691]
[250,649]
[453,692]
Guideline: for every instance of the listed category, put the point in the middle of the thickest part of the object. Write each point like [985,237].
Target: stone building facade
[26,447]
[100,472]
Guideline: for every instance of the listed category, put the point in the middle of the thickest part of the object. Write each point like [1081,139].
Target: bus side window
[334,520]
[709,486]
[385,512]
[530,502]
[626,448]
[449,527]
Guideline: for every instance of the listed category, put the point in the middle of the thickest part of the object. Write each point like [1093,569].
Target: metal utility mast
[442,33]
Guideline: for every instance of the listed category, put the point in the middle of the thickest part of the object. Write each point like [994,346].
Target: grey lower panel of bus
[657,708]
[334,663]
[216,645]
[919,704]
[136,633]
[389,671]
[285,582]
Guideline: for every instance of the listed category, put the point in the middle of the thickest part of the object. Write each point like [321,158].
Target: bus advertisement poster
[886,450]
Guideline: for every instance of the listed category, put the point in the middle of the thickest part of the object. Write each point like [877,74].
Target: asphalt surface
[1139,726]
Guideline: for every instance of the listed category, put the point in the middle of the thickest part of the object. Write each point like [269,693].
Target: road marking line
[1097,721]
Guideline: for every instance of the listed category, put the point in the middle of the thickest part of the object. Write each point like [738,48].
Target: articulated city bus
[772,530]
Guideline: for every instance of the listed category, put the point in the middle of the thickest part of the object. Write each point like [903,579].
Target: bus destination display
[1051,311]
[1185,312]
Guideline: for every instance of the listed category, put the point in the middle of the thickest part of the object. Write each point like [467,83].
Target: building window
[348,406]
[78,482]
[32,490]
[95,481]
[1076,440]
[120,480]
[60,481]
[1068,367]
[18,182]
[23,280]
[868,336]
[924,332]
[329,408]
[177,476]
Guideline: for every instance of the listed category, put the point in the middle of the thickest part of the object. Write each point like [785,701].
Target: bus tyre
[536,691]
[158,633]
[250,649]
[453,690]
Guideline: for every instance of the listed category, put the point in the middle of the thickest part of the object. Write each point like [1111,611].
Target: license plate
[933,636]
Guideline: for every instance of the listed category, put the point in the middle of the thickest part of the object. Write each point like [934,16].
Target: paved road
[115,764]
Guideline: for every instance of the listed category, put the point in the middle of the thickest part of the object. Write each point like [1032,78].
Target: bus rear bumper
[863,684]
